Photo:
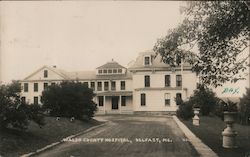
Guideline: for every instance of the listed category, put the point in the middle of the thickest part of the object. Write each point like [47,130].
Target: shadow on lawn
[210,130]
[15,142]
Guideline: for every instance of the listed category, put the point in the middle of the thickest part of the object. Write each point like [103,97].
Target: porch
[114,102]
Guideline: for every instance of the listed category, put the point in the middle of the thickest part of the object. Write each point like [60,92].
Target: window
[123,85]
[167,99]
[35,87]
[100,71]
[147,60]
[86,84]
[36,100]
[45,85]
[114,71]
[113,85]
[23,99]
[26,87]
[92,85]
[123,101]
[45,73]
[167,80]
[100,100]
[110,71]
[178,98]
[105,71]
[147,81]
[143,99]
[99,86]
[119,70]
[178,80]
[106,86]
[53,83]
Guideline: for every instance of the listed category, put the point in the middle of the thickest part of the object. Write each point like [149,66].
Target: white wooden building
[147,85]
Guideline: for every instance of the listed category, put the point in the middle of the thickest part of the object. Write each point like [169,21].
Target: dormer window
[119,70]
[147,60]
[45,73]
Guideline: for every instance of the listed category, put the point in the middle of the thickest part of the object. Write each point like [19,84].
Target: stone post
[229,135]
[196,119]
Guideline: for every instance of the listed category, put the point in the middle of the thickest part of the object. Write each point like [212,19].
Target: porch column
[104,104]
[120,104]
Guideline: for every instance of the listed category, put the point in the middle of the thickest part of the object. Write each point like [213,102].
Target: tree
[205,98]
[15,113]
[220,32]
[69,99]
[244,107]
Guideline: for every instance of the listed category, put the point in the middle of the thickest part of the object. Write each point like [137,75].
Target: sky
[79,35]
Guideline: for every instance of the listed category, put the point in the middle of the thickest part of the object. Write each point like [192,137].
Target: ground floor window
[143,99]
[123,100]
[23,99]
[100,99]
[36,100]
[167,99]
[178,97]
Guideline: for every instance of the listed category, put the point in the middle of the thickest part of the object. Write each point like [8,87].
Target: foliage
[185,110]
[244,107]
[224,106]
[205,98]
[69,99]
[220,32]
[13,112]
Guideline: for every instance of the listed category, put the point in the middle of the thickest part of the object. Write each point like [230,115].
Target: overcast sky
[79,35]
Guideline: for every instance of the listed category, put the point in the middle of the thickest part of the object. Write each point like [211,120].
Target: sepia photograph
[124,78]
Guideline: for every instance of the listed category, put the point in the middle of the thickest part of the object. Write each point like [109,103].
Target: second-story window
[147,60]
[110,71]
[35,87]
[45,85]
[119,70]
[26,87]
[114,71]
[100,71]
[45,73]
[147,81]
[105,71]
[123,85]
[106,86]
[92,85]
[99,86]
[178,81]
[113,85]
[167,80]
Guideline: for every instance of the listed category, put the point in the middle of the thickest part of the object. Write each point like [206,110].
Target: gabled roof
[59,72]
[110,65]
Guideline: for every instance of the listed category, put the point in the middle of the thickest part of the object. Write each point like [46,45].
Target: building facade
[147,85]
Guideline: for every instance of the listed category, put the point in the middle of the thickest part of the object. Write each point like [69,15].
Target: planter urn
[229,134]
[196,119]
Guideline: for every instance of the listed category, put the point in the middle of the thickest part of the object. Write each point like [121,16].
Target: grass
[15,143]
[210,130]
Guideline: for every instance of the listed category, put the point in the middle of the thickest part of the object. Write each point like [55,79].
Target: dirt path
[128,136]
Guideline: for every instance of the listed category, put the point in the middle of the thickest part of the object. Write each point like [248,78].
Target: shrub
[13,112]
[244,108]
[205,98]
[223,106]
[185,110]
[69,99]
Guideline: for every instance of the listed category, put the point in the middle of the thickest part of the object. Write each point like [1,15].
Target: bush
[244,108]
[223,106]
[69,99]
[13,112]
[205,98]
[185,110]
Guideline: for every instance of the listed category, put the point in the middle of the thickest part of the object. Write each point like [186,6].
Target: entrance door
[115,100]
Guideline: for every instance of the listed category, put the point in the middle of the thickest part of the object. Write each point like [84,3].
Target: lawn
[210,130]
[15,143]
